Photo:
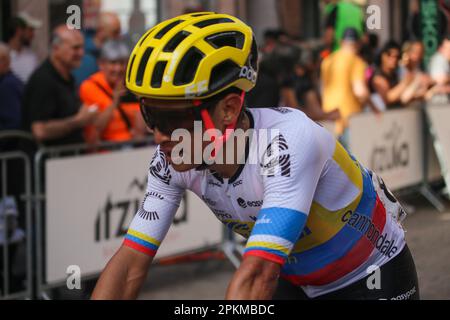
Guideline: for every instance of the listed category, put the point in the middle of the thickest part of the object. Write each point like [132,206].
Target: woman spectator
[413,53]
[119,118]
[385,85]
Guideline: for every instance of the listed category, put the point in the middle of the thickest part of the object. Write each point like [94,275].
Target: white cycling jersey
[304,202]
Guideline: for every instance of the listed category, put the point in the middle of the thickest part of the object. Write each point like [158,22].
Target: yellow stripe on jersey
[142,236]
[269,245]
[322,223]
[348,165]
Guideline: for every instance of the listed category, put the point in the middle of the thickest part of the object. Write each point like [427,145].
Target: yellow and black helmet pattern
[193,56]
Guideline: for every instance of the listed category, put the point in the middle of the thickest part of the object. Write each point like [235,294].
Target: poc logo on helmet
[249,73]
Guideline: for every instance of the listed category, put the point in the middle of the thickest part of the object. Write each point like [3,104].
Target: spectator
[413,53]
[439,69]
[343,81]
[369,48]
[270,41]
[119,118]
[11,91]
[308,97]
[51,106]
[108,28]
[23,60]
[385,84]
[276,75]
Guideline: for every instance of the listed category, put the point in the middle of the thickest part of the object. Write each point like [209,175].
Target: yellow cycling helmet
[193,56]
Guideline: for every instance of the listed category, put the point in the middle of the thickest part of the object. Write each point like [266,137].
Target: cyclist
[319,224]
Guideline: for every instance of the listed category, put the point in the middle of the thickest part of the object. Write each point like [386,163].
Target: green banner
[429,11]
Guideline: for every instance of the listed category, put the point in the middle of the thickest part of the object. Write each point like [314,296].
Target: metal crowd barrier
[396,147]
[47,153]
[15,163]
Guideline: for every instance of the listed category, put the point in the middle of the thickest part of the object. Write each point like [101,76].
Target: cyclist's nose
[159,136]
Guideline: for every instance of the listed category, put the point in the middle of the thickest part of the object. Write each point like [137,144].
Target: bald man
[108,28]
[52,110]
[11,90]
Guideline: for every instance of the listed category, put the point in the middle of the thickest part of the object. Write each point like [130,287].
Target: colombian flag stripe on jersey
[352,260]
[342,243]
[139,247]
[141,242]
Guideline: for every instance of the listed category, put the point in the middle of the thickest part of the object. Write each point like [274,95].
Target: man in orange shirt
[119,118]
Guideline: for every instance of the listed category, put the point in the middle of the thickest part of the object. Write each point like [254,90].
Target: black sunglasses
[168,121]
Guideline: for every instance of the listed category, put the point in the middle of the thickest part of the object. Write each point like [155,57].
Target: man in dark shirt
[11,90]
[275,76]
[52,109]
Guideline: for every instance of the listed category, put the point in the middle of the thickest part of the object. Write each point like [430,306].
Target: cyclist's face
[162,119]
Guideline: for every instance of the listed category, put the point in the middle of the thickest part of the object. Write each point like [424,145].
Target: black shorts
[398,281]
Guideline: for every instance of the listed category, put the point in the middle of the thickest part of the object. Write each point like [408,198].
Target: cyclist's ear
[231,106]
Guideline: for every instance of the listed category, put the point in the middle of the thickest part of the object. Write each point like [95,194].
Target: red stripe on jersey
[352,260]
[265,255]
[139,247]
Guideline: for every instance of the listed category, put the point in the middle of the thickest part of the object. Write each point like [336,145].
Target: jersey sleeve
[291,167]
[155,215]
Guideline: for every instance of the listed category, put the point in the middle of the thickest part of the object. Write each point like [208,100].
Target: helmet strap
[209,125]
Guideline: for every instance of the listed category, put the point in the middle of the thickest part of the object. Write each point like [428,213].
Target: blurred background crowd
[330,64]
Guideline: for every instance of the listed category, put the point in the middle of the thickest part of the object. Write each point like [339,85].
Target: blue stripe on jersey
[338,246]
[141,242]
[273,251]
[281,222]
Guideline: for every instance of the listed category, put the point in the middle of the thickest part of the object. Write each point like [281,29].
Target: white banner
[390,145]
[90,203]
[439,116]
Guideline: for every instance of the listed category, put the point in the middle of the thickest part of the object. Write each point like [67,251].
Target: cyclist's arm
[127,270]
[123,276]
[255,279]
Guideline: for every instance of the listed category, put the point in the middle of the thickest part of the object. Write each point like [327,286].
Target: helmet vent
[188,66]
[158,73]
[146,36]
[167,28]
[226,39]
[209,22]
[130,67]
[175,41]
[223,74]
[200,14]
[142,65]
